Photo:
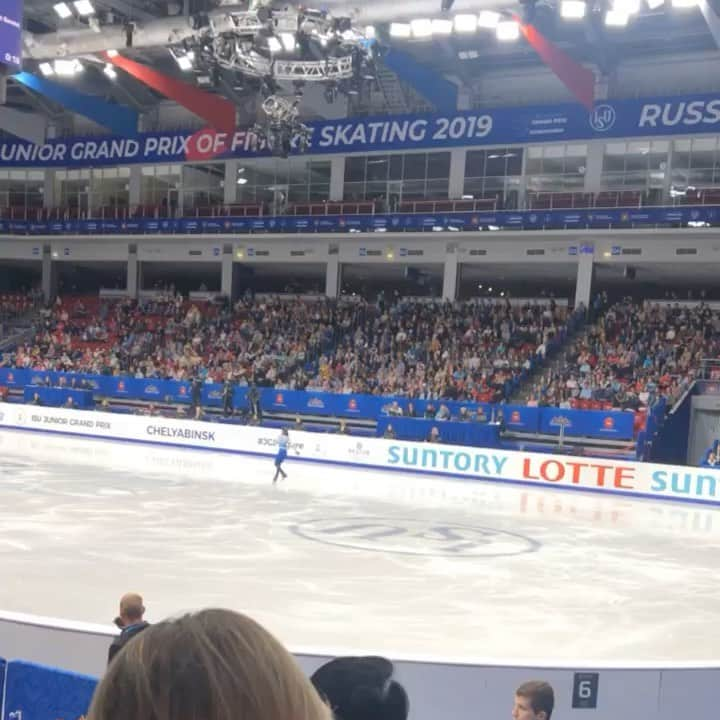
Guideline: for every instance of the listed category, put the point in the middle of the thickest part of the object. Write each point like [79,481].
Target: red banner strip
[217,111]
[577,79]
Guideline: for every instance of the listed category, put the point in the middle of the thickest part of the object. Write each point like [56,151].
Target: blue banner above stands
[608,425]
[368,407]
[553,123]
[35,692]
[81,399]
[612,425]
[466,221]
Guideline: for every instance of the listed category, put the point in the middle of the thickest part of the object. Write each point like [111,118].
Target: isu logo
[11,378]
[279,399]
[183,390]
[515,416]
[121,386]
[602,118]
[608,423]
[352,404]
[415,537]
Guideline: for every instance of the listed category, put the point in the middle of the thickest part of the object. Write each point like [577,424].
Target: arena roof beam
[712,20]
[428,83]
[217,111]
[127,9]
[577,79]
[117,118]
[130,93]
[25,125]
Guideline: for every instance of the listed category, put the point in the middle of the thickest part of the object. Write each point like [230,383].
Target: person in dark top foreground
[130,621]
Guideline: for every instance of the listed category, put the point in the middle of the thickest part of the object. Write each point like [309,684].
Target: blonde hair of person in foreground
[209,665]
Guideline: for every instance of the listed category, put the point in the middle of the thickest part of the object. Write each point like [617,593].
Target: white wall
[439,689]
[75,251]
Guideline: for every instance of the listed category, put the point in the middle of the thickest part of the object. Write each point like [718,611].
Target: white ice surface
[356,560]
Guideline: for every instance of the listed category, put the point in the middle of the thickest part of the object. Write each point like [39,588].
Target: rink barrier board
[629,478]
[598,424]
[437,687]
[394,470]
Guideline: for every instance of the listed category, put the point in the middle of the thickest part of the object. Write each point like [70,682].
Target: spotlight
[616,18]
[628,7]
[242,181]
[399,30]
[488,19]
[110,71]
[421,28]
[46,69]
[184,60]
[67,68]
[507,30]
[370,32]
[84,7]
[288,41]
[466,23]
[112,53]
[274,45]
[62,10]
[573,9]
[442,27]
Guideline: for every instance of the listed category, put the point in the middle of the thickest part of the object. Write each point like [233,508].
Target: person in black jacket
[130,621]
[196,396]
[253,397]
[227,395]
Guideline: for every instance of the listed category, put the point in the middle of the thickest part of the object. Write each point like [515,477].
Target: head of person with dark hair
[534,700]
[362,688]
[213,665]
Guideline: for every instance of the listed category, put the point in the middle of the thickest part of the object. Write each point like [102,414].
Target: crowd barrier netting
[37,692]
[608,425]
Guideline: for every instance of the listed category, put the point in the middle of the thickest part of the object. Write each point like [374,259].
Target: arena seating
[534,201]
[470,351]
[634,354]
[631,357]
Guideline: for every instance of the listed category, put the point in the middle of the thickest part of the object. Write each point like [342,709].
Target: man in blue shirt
[283,444]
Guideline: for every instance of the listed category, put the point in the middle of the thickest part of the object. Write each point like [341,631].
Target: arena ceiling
[658,33]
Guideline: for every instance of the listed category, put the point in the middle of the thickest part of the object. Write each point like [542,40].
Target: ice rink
[359,561]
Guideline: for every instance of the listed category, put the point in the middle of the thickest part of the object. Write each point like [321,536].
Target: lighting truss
[234,41]
[334,68]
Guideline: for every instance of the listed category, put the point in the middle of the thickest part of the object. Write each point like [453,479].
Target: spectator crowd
[463,351]
[469,351]
[632,355]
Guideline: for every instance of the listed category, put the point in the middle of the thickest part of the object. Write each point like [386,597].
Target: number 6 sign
[585,690]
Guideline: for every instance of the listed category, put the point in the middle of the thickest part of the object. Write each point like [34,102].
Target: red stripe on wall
[576,78]
[217,111]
